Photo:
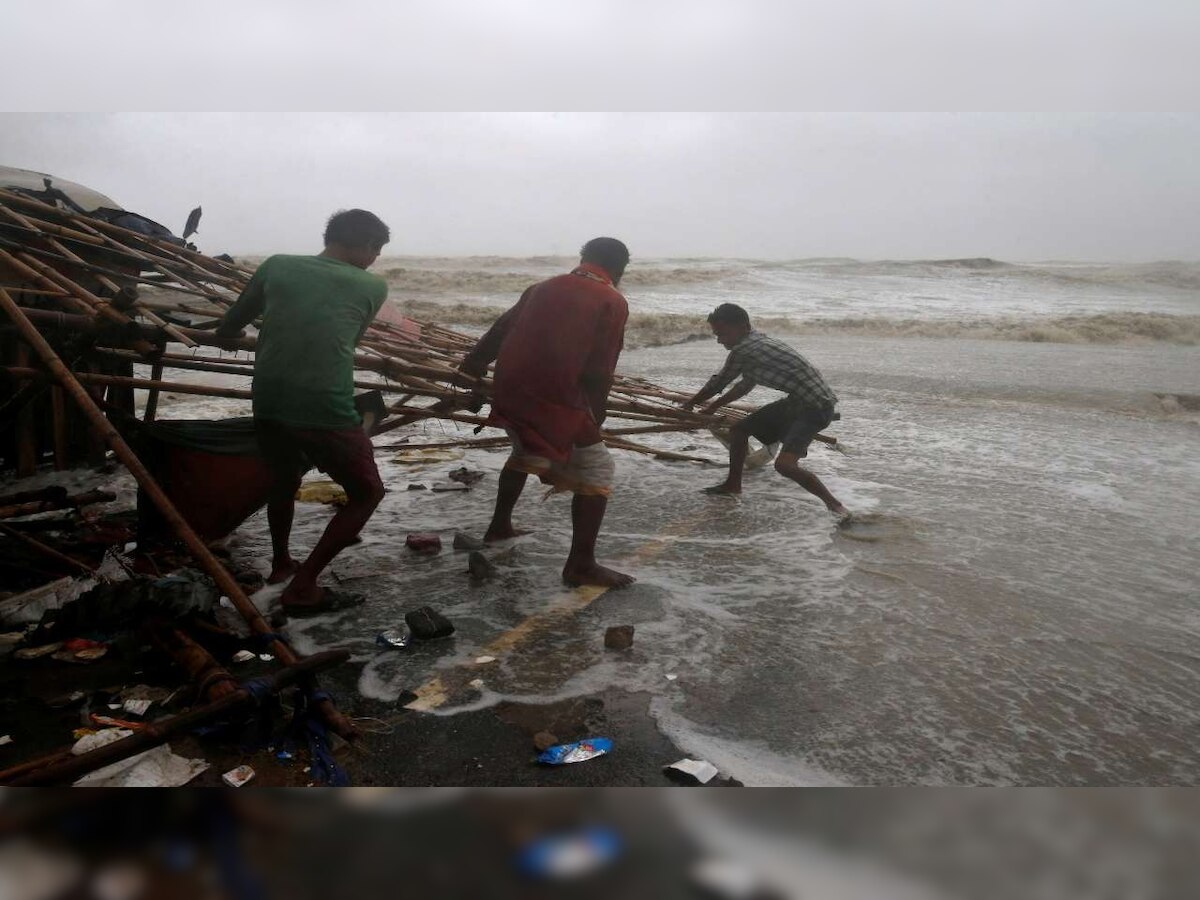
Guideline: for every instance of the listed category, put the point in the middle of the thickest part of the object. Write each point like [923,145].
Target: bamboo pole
[199,550]
[46,550]
[173,387]
[33,507]
[58,412]
[26,433]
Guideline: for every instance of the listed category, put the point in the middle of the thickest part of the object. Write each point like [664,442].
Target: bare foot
[840,512]
[723,488]
[495,534]
[301,596]
[281,572]
[596,574]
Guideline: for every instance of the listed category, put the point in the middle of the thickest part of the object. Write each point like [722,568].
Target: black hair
[729,314]
[608,253]
[356,228]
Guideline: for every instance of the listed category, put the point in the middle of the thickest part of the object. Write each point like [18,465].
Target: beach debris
[80,650]
[266,657]
[158,767]
[238,777]
[476,683]
[416,457]
[243,656]
[567,855]
[466,476]
[725,879]
[484,660]
[442,487]
[480,566]
[426,544]
[396,638]
[579,751]
[671,676]
[93,740]
[137,707]
[692,771]
[38,652]
[464,541]
[5,740]
[619,637]
[417,486]
[544,740]
[428,624]
[322,492]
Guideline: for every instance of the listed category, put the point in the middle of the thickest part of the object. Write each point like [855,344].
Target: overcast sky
[1117,185]
[1120,187]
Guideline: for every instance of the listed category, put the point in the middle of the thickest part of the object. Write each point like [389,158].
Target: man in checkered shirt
[793,420]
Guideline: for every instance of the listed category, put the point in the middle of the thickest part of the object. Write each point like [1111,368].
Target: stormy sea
[1014,601]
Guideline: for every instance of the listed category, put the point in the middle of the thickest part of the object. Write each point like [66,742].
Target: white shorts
[588,471]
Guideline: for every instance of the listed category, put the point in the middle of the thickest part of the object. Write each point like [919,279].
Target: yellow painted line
[438,690]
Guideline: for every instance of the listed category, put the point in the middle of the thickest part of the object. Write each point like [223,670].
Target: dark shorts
[345,455]
[790,421]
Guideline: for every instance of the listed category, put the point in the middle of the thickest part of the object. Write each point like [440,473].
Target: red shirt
[556,352]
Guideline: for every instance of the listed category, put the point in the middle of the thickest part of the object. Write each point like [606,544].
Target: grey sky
[1120,187]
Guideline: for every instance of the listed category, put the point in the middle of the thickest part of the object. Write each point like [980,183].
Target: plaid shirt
[772,363]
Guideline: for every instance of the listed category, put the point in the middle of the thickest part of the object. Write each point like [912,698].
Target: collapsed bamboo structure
[87,301]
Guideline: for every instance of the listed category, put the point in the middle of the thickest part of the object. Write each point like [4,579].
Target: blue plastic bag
[561,754]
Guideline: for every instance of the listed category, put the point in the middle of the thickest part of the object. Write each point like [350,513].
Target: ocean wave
[661,329]
[487,281]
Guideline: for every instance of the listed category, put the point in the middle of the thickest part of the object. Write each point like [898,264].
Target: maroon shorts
[344,454]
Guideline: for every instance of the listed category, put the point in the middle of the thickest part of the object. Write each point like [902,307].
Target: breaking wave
[660,329]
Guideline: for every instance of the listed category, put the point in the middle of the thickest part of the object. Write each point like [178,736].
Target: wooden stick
[46,550]
[199,550]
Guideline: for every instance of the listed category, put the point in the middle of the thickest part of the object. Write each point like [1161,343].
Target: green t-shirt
[314,310]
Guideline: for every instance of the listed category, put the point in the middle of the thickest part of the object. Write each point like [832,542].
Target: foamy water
[1016,603]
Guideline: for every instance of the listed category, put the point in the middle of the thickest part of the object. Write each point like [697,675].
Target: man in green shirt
[314,310]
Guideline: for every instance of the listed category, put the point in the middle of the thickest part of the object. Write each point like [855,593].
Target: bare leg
[281,508]
[512,482]
[587,513]
[341,531]
[788,466]
[739,444]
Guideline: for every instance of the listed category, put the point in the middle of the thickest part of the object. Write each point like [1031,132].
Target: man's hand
[469,374]
[228,336]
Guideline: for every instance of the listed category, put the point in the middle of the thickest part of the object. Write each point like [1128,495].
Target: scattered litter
[226,603]
[427,456]
[727,880]
[138,707]
[5,739]
[115,706]
[544,740]
[93,740]
[463,475]
[14,637]
[698,770]
[569,854]
[426,543]
[480,566]
[484,660]
[38,652]
[619,637]
[284,755]
[110,722]
[464,541]
[580,751]
[238,777]
[441,487]
[672,677]
[322,492]
[83,656]
[243,656]
[427,623]
[158,767]
[395,637]
[265,657]
[417,486]
[476,683]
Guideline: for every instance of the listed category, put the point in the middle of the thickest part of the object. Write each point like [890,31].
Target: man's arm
[714,385]
[740,390]
[487,348]
[249,306]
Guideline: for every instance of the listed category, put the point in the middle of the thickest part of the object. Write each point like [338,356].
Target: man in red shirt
[555,354]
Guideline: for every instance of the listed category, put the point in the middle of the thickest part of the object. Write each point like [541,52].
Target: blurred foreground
[904,843]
